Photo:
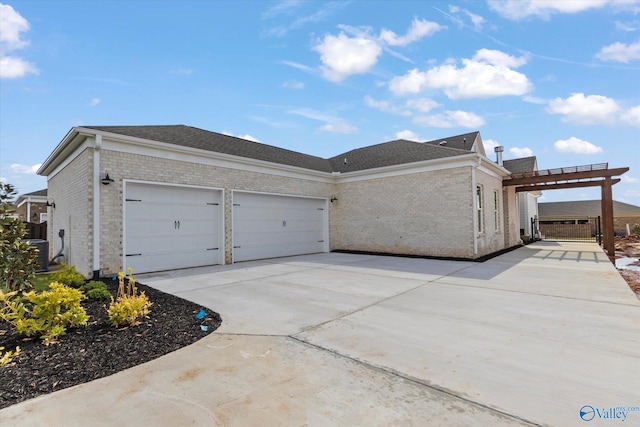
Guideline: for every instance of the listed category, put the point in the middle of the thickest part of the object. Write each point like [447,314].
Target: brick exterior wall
[427,213]
[162,170]
[36,209]
[71,190]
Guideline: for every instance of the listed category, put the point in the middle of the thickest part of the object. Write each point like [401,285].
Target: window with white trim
[480,215]
[496,209]
[43,217]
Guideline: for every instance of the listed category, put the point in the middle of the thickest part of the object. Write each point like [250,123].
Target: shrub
[7,357]
[635,229]
[68,275]
[128,306]
[18,258]
[95,290]
[46,314]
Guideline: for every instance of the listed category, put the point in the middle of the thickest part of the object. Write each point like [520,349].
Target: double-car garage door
[170,227]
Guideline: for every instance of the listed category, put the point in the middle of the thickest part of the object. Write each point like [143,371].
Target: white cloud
[576,145]
[245,136]
[628,26]
[489,145]
[632,116]
[423,105]
[476,20]
[487,74]
[408,135]
[293,84]
[450,119]
[521,152]
[332,124]
[12,67]
[94,102]
[385,106]
[25,169]
[419,28]
[12,27]
[3,179]
[298,66]
[338,128]
[583,109]
[343,56]
[534,100]
[620,52]
[629,179]
[519,9]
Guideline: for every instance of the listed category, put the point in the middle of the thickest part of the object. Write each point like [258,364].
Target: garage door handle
[134,255]
[212,249]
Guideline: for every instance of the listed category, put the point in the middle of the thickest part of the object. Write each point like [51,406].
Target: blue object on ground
[204,327]
[201,314]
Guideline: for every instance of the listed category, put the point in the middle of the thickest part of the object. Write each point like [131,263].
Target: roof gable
[524,164]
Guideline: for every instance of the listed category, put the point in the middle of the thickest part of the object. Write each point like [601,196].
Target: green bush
[7,357]
[18,258]
[45,314]
[95,290]
[635,229]
[68,275]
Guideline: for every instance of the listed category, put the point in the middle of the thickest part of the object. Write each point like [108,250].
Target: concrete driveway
[540,336]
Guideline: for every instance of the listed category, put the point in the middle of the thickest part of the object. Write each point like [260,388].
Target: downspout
[474,207]
[96,207]
[28,209]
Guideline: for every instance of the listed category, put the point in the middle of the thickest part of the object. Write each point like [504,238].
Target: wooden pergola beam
[608,233]
[541,187]
[567,176]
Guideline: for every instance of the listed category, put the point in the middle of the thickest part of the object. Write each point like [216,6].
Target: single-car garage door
[170,227]
[269,226]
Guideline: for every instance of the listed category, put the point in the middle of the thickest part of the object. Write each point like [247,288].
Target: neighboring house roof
[39,193]
[583,208]
[39,196]
[525,164]
[375,156]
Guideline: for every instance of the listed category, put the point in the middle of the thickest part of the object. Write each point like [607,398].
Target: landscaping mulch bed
[99,349]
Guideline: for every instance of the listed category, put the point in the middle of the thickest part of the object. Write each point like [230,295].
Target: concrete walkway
[527,338]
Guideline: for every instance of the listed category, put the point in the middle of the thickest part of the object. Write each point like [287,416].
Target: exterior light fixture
[333,199]
[50,204]
[106,180]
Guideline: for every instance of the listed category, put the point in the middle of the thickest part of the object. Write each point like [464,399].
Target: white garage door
[269,226]
[169,227]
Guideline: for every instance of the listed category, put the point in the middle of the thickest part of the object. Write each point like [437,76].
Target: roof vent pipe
[499,149]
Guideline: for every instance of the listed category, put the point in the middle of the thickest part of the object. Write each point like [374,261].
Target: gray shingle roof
[42,193]
[375,156]
[461,142]
[583,208]
[525,164]
[390,153]
[192,137]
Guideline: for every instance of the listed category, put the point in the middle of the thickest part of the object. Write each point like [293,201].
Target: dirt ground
[629,246]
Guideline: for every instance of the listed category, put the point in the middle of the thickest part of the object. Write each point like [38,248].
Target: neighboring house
[32,207]
[527,201]
[178,196]
[580,210]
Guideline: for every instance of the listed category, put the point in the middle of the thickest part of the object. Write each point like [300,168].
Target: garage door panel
[267,226]
[168,227]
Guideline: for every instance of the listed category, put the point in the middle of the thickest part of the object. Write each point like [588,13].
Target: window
[43,217]
[479,207]
[496,209]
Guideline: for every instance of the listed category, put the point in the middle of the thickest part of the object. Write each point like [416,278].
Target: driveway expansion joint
[415,381]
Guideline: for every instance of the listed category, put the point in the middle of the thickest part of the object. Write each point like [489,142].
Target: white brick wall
[427,213]
[145,168]
[71,190]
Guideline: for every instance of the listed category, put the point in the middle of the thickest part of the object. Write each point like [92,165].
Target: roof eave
[72,140]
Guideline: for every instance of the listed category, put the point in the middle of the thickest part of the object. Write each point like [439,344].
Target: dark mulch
[99,350]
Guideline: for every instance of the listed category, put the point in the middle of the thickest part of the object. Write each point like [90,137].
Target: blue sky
[554,79]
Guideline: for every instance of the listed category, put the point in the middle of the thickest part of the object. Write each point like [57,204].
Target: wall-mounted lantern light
[106,180]
[333,199]
[51,204]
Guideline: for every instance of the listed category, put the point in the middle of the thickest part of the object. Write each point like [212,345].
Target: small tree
[18,259]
